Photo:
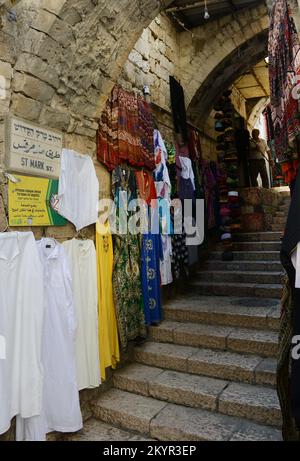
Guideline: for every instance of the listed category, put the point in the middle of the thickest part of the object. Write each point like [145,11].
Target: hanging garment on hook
[60,410]
[21,323]
[82,259]
[78,190]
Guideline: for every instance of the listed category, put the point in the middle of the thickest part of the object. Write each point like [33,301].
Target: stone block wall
[153,59]
[258,208]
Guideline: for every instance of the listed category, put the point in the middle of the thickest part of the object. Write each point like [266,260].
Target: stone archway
[216,54]
[224,75]
[257,110]
[66,56]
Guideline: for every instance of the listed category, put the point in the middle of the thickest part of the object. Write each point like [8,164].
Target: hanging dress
[163,191]
[82,259]
[108,331]
[126,273]
[151,253]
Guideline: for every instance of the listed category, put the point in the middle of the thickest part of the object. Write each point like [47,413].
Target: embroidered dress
[151,255]
[126,273]
[180,256]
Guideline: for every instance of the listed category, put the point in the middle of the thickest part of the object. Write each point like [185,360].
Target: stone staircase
[280,216]
[208,371]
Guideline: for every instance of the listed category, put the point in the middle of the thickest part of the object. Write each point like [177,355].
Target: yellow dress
[108,332]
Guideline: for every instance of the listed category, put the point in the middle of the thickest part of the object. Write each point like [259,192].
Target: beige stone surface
[186,389]
[33,87]
[180,423]
[26,107]
[225,365]
[257,403]
[97,431]
[164,332]
[197,335]
[130,411]
[220,311]
[164,355]
[265,372]
[250,432]
[264,343]
[135,378]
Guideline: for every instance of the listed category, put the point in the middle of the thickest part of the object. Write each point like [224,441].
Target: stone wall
[258,209]
[153,59]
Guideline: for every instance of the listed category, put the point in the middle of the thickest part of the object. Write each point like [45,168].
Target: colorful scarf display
[126,131]
[284,70]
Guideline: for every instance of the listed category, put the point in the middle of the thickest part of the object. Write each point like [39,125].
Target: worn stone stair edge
[176,422]
[198,394]
[225,337]
[186,359]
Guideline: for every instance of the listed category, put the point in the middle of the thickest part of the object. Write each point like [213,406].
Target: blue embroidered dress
[151,253]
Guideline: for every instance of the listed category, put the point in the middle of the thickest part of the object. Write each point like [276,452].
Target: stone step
[256,246]
[95,430]
[261,342]
[257,237]
[165,421]
[258,403]
[256,313]
[279,220]
[277,227]
[285,208]
[260,277]
[266,266]
[208,362]
[281,214]
[248,256]
[236,289]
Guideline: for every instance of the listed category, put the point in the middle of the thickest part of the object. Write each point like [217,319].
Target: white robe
[78,190]
[21,323]
[296,263]
[61,409]
[83,263]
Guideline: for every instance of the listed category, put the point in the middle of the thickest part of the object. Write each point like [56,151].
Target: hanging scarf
[284,68]
[126,131]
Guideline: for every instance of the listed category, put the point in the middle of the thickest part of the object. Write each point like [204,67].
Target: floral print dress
[126,273]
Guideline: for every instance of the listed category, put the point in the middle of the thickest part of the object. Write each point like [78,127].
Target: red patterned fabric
[284,68]
[146,186]
[126,131]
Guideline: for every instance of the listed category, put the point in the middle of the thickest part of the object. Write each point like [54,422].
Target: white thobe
[296,264]
[83,263]
[61,408]
[21,323]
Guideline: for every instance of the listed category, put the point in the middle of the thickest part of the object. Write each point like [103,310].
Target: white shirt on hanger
[61,409]
[21,324]
[83,263]
[78,189]
[296,264]
[187,170]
